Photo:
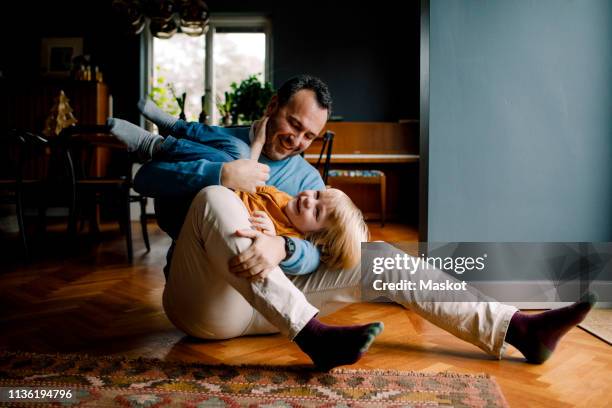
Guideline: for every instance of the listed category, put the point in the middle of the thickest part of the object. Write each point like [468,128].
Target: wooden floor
[95,302]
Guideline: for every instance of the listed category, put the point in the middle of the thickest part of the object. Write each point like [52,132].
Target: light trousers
[204,299]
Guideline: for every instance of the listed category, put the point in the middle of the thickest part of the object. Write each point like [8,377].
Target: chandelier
[165,17]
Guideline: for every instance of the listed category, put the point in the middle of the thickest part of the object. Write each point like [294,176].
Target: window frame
[220,20]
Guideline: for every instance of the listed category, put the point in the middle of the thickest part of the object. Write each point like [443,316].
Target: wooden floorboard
[84,297]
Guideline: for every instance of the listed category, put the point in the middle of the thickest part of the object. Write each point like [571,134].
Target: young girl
[327,218]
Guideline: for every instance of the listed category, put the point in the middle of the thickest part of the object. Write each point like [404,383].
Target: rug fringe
[297,368]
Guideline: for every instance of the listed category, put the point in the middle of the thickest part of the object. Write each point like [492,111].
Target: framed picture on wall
[57,55]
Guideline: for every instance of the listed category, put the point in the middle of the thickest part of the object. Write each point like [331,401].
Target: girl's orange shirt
[273,202]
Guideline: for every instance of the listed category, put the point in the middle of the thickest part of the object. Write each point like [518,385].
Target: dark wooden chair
[19,149]
[351,176]
[90,188]
[326,148]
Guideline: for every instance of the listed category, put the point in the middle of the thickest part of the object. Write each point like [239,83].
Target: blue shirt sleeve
[306,258]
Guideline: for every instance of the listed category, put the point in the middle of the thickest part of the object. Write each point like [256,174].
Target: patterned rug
[117,381]
[599,323]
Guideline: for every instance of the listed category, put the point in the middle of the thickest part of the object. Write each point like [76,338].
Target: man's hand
[244,175]
[262,222]
[264,254]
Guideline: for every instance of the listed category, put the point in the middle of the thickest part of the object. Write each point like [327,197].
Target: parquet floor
[88,299]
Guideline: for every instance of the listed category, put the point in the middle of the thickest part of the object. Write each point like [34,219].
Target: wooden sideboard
[387,146]
[28,106]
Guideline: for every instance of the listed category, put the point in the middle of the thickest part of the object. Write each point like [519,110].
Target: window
[239,46]
[178,66]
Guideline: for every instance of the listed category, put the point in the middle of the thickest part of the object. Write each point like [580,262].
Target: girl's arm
[260,138]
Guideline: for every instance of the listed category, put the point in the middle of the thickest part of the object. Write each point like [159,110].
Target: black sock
[332,346]
[536,336]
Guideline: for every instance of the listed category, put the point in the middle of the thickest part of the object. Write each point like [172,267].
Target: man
[208,298]
[205,295]
[297,115]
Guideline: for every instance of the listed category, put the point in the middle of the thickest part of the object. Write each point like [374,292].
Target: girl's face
[309,210]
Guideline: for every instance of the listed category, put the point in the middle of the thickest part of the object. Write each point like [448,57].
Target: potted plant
[249,100]
[225,108]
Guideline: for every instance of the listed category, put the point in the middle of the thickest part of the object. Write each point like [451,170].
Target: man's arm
[266,252]
[304,260]
[298,257]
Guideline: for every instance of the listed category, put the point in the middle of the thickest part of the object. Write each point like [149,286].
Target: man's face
[292,128]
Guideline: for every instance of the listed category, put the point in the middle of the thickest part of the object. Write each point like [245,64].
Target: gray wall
[368,54]
[520,120]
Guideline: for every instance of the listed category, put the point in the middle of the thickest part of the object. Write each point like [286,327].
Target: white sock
[136,138]
[150,111]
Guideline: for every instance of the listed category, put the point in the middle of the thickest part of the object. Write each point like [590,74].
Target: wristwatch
[289,247]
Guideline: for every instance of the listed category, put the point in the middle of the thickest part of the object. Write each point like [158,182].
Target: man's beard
[275,151]
[268,148]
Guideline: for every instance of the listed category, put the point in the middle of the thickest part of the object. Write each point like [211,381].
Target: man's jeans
[205,300]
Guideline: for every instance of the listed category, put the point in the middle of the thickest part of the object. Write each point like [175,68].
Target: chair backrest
[82,142]
[20,151]
[326,148]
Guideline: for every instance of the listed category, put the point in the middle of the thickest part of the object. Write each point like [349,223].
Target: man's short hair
[296,84]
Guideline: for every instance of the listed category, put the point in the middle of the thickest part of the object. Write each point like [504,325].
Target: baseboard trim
[540,294]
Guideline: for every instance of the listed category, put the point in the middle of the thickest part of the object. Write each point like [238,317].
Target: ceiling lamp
[166,17]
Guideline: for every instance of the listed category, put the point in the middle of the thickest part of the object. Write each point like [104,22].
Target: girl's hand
[262,222]
[260,137]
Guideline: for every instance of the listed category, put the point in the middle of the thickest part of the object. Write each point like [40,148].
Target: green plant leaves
[247,101]
[163,95]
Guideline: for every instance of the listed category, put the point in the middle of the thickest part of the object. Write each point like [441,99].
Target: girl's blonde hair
[340,242]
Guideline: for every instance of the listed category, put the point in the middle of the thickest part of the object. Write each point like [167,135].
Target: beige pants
[203,299]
